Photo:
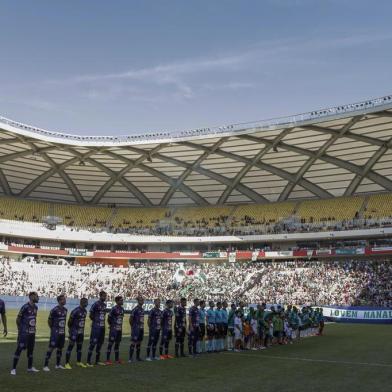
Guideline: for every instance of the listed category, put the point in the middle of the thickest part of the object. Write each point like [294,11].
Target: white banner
[232,257]
[382,249]
[364,314]
[281,253]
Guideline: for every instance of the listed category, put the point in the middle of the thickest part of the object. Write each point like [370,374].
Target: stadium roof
[341,151]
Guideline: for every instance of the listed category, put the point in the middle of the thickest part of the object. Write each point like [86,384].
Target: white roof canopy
[334,152]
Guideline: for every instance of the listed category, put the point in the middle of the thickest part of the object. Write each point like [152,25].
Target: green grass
[348,358]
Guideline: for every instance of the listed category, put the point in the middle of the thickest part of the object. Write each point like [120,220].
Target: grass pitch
[350,357]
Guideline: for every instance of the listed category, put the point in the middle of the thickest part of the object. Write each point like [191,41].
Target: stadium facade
[343,154]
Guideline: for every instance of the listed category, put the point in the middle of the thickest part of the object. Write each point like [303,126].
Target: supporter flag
[202,277]
[179,276]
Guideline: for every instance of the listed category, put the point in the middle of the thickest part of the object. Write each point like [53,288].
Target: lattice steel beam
[4,184]
[354,136]
[375,177]
[242,173]
[208,173]
[170,181]
[172,190]
[306,166]
[130,165]
[313,188]
[71,185]
[49,173]
[356,181]
[20,154]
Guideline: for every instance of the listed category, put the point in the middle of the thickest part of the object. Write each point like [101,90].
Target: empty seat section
[201,217]
[379,206]
[139,217]
[259,214]
[339,209]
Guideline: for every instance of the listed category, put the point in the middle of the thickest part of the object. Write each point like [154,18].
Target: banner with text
[358,314]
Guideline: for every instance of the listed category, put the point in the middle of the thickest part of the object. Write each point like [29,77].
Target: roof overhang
[340,151]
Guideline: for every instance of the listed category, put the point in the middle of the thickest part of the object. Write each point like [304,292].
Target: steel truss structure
[340,151]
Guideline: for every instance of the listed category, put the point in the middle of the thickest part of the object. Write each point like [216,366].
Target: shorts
[167,335]
[115,336]
[225,329]
[26,341]
[153,337]
[219,330]
[195,330]
[97,336]
[76,337]
[137,335]
[194,335]
[230,331]
[180,333]
[57,341]
[278,334]
[210,331]
[237,335]
[202,328]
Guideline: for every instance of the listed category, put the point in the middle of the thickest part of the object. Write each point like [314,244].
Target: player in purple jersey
[57,322]
[194,327]
[202,324]
[167,330]
[76,323]
[3,317]
[26,323]
[154,324]
[136,321]
[180,327]
[97,336]
[115,321]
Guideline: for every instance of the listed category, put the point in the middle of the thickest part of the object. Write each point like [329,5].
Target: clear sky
[132,66]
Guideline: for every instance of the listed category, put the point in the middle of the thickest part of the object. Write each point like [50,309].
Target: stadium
[195,196]
[289,211]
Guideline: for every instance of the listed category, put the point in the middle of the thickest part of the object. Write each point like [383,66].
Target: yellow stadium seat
[379,206]
[339,209]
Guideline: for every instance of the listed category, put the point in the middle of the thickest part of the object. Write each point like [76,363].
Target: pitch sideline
[388,365]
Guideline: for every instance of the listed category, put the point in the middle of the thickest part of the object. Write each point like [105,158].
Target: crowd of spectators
[201,228]
[299,282]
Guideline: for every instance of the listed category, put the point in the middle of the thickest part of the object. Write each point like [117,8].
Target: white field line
[388,365]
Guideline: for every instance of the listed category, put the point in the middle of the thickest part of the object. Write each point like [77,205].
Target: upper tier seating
[139,217]
[206,218]
[201,217]
[260,214]
[379,206]
[80,216]
[24,210]
[339,209]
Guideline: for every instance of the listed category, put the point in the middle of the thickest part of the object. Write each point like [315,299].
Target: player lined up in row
[207,330]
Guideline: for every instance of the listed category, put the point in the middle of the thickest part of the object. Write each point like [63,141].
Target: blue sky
[125,67]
